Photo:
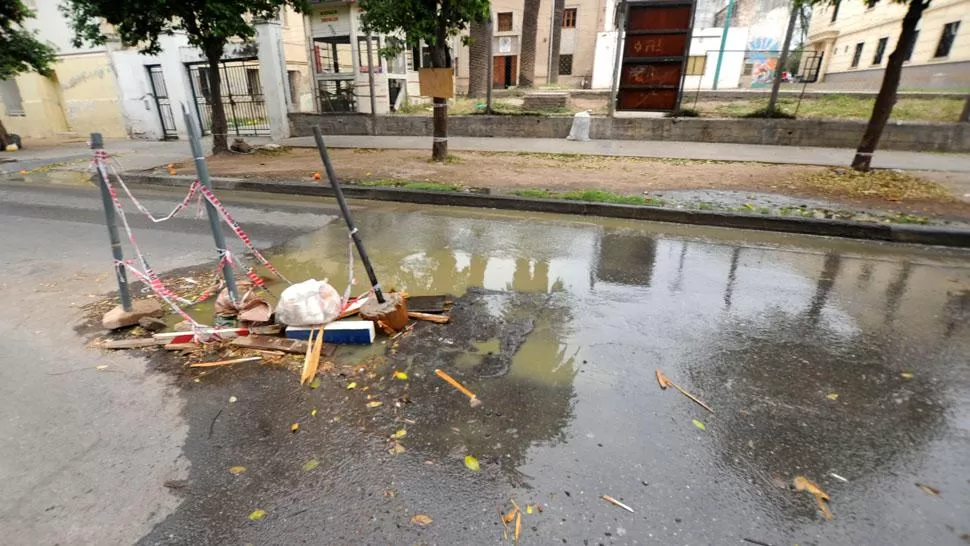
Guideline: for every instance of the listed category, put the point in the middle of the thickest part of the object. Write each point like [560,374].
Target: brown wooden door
[505,70]
[498,72]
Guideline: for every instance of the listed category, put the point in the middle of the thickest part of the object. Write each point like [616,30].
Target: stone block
[119,318]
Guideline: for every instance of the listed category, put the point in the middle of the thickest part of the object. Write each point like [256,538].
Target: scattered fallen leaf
[315,383]
[237,470]
[906,375]
[528,508]
[832,396]
[374,403]
[313,412]
[615,502]
[311,464]
[929,489]
[397,449]
[101,367]
[351,385]
[421,519]
[257,515]
[232,399]
[294,427]
[821,497]
[507,518]
[699,424]
[472,463]
[399,434]
[400,375]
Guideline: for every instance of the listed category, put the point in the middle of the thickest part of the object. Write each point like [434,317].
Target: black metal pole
[97,143]
[322,148]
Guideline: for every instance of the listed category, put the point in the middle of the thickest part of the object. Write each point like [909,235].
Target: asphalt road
[843,362]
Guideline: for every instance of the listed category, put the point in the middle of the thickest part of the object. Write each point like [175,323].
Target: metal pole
[345,211]
[97,143]
[195,140]
[491,64]
[965,115]
[724,34]
[618,58]
[370,82]
[782,59]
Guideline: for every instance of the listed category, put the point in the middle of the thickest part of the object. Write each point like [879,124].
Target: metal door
[162,103]
[242,97]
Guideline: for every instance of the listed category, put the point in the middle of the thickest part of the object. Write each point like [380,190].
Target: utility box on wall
[655,50]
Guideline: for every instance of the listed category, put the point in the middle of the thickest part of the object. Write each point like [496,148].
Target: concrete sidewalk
[795,155]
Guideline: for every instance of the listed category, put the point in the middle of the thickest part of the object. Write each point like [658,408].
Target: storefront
[341,67]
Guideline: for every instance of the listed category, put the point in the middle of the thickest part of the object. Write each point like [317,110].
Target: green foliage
[20,49]
[408,23]
[208,24]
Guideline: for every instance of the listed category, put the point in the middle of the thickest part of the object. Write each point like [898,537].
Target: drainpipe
[724,34]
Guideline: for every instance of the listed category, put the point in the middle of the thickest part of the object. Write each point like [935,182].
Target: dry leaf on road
[472,463]
[821,497]
[237,470]
[928,489]
[421,519]
[257,515]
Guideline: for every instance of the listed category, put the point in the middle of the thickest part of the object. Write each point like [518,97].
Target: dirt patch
[509,172]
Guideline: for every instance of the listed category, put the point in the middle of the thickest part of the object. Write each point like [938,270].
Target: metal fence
[242,97]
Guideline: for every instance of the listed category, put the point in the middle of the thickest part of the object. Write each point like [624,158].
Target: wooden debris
[183,346]
[928,489]
[664,383]
[225,362]
[267,330]
[134,343]
[437,319]
[615,502]
[429,304]
[312,361]
[295,346]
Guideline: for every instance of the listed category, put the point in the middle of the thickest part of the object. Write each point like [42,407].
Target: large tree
[558,7]
[20,49]
[478,60]
[208,24]
[886,98]
[527,49]
[431,23]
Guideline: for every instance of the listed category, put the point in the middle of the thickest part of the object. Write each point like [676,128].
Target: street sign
[655,55]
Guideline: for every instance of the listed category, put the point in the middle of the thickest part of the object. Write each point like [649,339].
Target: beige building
[855,42]
[582,21]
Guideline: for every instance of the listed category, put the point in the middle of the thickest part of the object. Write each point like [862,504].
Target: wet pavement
[559,325]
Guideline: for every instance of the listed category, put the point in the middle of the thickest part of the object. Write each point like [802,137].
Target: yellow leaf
[311,464]
[397,449]
[528,508]
[906,375]
[257,515]
[472,463]
[399,434]
[699,424]
[832,396]
[374,404]
[237,470]
[101,367]
[401,375]
[351,385]
[421,519]
[294,427]
[315,383]
[313,412]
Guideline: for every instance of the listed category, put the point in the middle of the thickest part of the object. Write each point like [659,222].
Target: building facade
[855,42]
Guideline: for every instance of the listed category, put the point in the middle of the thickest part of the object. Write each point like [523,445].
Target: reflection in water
[626,257]
[895,291]
[826,280]
[732,277]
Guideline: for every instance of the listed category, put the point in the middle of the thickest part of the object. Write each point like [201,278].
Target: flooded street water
[845,362]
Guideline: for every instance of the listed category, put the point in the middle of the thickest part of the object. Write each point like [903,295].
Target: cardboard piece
[437,82]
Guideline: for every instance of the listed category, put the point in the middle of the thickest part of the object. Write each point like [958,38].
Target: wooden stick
[665,382]
[225,362]
[471,396]
[134,343]
[437,319]
[611,500]
[312,361]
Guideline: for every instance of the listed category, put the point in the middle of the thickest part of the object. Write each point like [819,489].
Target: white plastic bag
[309,303]
[580,128]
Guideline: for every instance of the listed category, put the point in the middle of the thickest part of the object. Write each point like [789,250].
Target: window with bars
[696,65]
[565,65]
[946,39]
[569,18]
[505,21]
[880,51]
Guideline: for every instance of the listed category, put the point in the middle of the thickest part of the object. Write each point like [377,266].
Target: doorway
[162,103]
[505,68]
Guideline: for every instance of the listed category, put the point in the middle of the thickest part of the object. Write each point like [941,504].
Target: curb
[896,233]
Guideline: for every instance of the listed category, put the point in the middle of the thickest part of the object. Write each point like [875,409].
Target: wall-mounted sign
[654,54]
[505,44]
[329,15]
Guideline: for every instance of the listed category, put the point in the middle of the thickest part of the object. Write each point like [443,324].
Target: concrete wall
[706,42]
[938,137]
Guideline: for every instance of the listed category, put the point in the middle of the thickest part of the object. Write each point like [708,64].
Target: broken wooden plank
[134,343]
[428,304]
[295,346]
[437,319]
[187,337]
[225,362]
[182,346]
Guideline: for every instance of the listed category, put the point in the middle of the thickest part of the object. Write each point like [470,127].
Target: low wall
[922,137]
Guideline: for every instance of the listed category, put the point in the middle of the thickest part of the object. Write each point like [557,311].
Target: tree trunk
[527,53]
[887,91]
[220,140]
[478,60]
[557,8]
[4,137]
[440,58]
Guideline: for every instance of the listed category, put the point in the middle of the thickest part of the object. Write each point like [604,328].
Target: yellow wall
[81,98]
